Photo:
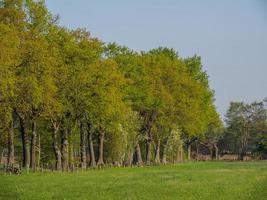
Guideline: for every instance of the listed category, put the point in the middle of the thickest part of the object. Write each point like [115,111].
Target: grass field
[200,180]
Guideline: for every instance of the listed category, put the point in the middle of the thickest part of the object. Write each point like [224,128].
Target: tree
[106,106]
[213,135]
[9,58]
[245,122]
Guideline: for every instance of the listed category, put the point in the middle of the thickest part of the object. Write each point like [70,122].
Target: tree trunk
[164,152]
[91,148]
[216,150]
[148,150]
[179,155]
[182,153]
[197,151]
[139,161]
[157,157]
[189,152]
[25,145]
[56,146]
[82,146]
[11,157]
[244,142]
[38,150]
[65,150]
[71,157]
[242,154]
[33,146]
[88,154]
[129,159]
[101,148]
[164,156]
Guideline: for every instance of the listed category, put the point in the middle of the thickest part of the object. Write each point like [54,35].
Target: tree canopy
[75,100]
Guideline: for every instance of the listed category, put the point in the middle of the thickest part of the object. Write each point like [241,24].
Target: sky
[230,36]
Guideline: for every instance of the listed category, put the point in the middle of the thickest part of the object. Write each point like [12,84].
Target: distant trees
[67,99]
[246,128]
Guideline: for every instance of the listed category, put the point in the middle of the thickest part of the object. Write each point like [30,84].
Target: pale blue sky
[229,35]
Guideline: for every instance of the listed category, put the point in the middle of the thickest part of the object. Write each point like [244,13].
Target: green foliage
[67,77]
[246,127]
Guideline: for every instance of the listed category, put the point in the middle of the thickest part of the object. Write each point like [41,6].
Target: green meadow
[194,180]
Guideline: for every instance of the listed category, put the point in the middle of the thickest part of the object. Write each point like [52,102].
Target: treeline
[63,91]
[246,130]
[244,136]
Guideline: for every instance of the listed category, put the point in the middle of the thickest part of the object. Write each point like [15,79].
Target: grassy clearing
[202,180]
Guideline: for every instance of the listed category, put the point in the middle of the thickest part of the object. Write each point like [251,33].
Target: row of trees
[66,97]
[246,129]
[243,137]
